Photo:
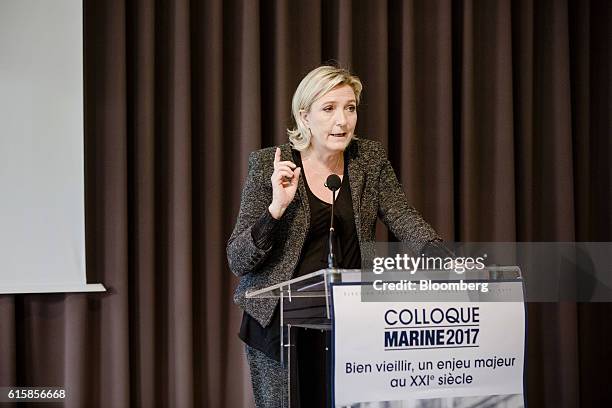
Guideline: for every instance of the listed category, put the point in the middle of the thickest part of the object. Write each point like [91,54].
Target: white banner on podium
[406,351]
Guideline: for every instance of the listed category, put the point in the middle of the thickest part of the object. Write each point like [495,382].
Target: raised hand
[284,184]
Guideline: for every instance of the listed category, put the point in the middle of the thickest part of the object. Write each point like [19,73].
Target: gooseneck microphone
[333,182]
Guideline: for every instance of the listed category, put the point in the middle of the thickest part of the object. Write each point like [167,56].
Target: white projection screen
[42,222]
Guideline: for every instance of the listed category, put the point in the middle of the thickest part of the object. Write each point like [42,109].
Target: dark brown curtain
[496,115]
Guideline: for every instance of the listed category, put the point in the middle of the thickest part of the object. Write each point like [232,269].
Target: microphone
[333,182]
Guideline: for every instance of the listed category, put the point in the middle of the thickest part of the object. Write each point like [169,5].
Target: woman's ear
[305,117]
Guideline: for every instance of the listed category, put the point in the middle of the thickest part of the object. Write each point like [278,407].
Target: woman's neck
[329,160]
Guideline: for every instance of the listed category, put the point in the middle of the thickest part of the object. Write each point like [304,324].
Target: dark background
[496,116]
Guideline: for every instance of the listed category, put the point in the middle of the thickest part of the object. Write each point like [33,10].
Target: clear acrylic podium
[306,301]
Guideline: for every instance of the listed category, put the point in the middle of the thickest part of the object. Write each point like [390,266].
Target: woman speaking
[283,223]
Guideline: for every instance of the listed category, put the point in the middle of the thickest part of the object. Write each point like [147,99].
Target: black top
[314,253]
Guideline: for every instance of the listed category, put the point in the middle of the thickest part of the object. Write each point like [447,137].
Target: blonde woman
[283,223]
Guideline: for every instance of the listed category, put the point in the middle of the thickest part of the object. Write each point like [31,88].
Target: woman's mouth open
[337,134]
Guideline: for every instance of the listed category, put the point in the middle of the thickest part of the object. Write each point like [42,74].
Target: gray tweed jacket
[375,191]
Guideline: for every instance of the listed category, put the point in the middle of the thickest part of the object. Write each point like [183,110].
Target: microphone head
[333,182]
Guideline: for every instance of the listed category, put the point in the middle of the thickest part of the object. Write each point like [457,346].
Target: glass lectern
[306,301]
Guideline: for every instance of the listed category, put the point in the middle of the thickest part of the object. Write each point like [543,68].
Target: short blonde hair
[315,84]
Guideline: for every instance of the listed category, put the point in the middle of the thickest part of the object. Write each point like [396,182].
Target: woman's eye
[351,108]
[328,109]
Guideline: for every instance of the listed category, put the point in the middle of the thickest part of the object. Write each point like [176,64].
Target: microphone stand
[333,182]
[331,256]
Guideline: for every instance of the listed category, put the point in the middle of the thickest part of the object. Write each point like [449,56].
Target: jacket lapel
[356,179]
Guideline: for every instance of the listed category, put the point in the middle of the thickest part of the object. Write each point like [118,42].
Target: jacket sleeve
[243,253]
[403,220]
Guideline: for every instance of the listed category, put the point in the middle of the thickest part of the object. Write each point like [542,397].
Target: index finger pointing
[277,155]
